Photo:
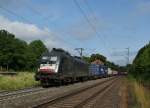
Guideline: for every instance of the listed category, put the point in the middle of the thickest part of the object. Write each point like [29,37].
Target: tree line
[18,55]
[140,68]
[111,65]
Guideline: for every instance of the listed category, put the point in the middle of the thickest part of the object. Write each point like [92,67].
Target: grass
[21,80]
[140,94]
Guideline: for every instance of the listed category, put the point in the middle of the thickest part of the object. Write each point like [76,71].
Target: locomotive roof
[47,53]
[80,60]
[59,52]
[62,53]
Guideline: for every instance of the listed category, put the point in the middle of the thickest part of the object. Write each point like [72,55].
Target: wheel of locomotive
[58,82]
[72,81]
[45,84]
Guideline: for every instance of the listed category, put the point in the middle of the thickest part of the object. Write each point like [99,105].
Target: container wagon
[104,70]
[110,72]
[98,71]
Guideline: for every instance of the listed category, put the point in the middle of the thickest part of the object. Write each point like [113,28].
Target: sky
[107,27]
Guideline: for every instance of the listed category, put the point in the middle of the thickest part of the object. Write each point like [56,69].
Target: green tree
[87,59]
[16,54]
[12,53]
[112,65]
[38,48]
[140,68]
[97,56]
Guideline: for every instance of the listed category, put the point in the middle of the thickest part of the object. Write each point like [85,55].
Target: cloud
[45,11]
[144,7]
[121,62]
[118,54]
[13,3]
[30,32]
[141,8]
[123,53]
[121,57]
[82,30]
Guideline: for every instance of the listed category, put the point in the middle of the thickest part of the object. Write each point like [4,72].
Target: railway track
[78,98]
[12,91]
[101,97]
[37,97]
[12,94]
[3,91]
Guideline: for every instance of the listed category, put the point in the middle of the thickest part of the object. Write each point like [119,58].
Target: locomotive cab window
[52,62]
[44,63]
[53,58]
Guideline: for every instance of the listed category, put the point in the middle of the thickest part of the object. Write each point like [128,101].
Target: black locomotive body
[59,66]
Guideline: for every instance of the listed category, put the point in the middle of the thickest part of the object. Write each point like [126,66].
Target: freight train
[59,67]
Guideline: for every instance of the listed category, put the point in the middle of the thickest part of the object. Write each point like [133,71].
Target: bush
[22,80]
[139,96]
[140,69]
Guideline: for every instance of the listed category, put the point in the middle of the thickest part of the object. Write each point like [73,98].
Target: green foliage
[116,67]
[139,96]
[87,59]
[112,65]
[140,68]
[17,54]
[21,80]
[37,47]
[97,56]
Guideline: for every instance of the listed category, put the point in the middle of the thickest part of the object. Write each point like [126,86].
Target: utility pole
[80,51]
[128,55]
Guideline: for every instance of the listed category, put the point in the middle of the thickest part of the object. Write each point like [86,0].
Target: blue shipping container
[94,69]
[105,70]
[97,70]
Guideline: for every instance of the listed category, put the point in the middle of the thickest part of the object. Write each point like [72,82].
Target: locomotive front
[48,68]
[49,65]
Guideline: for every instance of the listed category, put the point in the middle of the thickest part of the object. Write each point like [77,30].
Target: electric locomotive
[58,66]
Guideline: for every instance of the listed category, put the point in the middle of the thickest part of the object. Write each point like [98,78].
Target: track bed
[75,95]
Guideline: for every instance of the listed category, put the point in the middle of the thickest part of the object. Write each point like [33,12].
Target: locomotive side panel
[66,68]
[81,69]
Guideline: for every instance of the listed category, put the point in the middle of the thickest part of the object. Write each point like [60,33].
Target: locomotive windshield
[48,60]
[53,60]
[49,64]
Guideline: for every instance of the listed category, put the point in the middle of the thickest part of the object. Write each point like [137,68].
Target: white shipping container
[110,72]
[115,72]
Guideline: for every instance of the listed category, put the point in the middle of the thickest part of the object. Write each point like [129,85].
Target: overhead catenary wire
[85,16]
[94,19]
[91,10]
[92,13]
[46,18]
[30,22]
[38,13]
[124,53]
[33,9]
[87,19]
[15,14]
[89,22]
